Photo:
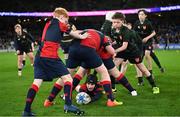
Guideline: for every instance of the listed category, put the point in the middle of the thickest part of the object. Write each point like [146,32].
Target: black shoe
[162,70]
[73,109]
[25,114]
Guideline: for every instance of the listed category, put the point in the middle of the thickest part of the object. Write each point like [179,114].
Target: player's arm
[32,45]
[66,28]
[153,33]
[108,46]
[76,34]
[122,48]
[110,49]
[16,46]
[149,37]
[83,88]
[97,96]
[125,42]
[30,37]
[135,26]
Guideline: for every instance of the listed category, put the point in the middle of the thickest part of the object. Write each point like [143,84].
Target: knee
[67,78]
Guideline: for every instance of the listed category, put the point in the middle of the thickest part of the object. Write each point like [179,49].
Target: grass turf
[13,90]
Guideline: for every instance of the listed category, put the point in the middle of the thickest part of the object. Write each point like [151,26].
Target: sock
[30,97]
[112,82]
[140,79]
[150,71]
[55,90]
[95,72]
[119,67]
[156,60]
[77,78]
[19,69]
[151,81]
[123,80]
[108,89]
[88,71]
[66,61]
[68,92]
[24,62]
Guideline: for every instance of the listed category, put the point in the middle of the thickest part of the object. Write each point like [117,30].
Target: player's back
[52,34]
[94,41]
[53,31]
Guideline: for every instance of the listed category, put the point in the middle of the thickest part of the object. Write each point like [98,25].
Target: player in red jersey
[48,65]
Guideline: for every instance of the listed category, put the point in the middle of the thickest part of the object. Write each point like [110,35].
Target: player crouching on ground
[92,87]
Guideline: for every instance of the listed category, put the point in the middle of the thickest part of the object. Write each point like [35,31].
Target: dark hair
[118,15]
[91,78]
[129,23]
[17,25]
[144,11]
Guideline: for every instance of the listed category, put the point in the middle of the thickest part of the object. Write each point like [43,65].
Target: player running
[128,48]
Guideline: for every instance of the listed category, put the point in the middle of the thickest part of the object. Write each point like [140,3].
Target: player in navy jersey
[85,51]
[112,70]
[48,65]
[92,87]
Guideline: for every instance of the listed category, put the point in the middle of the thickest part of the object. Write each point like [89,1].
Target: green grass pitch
[13,90]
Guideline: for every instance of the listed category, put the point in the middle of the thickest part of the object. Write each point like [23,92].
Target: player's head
[129,25]
[91,82]
[142,14]
[61,14]
[118,20]
[109,15]
[18,29]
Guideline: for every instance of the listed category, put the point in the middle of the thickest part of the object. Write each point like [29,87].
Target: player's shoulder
[137,22]
[125,30]
[147,21]
[83,86]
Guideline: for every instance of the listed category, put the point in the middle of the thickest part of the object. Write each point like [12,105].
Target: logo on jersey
[144,27]
[120,37]
[137,60]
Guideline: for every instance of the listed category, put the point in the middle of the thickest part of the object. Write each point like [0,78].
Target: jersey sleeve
[106,42]
[135,26]
[151,28]
[63,27]
[83,88]
[16,46]
[97,93]
[127,36]
[30,37]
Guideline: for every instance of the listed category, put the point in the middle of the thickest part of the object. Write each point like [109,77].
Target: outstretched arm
[76,34]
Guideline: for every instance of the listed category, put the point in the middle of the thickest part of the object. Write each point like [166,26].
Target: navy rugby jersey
[52,35]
